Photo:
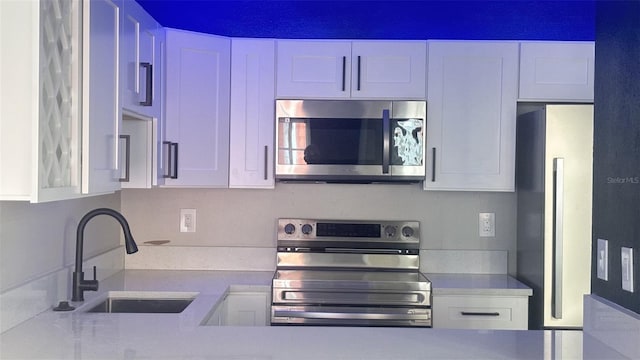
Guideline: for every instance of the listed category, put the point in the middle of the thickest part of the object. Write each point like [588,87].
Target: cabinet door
[138,58]
[197,107]
[101,113]
[252,114]
[389,69]
[313,69]
[246,309]
[472,91]
[557,71]
[480,312]
[159,116]
[40,100]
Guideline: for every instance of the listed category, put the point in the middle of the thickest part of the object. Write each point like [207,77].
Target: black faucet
[80,285]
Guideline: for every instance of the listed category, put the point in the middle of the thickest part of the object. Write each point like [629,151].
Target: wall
[361,19]
[616,178]
[247,218]
[37,250]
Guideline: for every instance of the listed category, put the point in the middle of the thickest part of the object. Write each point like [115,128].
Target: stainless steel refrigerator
[554,152]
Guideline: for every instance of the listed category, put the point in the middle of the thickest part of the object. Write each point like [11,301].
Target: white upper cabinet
[389,69]
[40,100]
[344,69]
[138,60]
[101,110]
[56,107]
[144,127]
[557,71]
[159,126]
[313,68]
[471,116]
[197,109]
[252,113]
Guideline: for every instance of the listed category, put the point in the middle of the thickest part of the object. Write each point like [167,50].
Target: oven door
[350,316]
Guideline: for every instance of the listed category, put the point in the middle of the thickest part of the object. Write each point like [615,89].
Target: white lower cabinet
[242,308]
[472,88]
[197,109]
[480,312]
[247,309]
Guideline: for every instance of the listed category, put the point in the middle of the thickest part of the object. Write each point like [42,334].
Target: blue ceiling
[359,19]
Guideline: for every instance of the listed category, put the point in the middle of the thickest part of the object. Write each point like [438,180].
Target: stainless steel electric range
[354,273]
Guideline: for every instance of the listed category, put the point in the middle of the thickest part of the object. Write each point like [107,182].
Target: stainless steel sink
[117,302]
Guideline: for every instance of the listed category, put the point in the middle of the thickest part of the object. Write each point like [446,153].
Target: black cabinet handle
[266,162]
[127,157]
[148,101]
[175,162]
[172,160]
[433,164]
[167,160]
[359,73]
[471,313]
[344,73]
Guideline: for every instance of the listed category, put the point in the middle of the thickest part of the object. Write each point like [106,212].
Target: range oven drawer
[351,297]
[350,316]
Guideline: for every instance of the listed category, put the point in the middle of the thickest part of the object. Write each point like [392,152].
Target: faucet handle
[91,285]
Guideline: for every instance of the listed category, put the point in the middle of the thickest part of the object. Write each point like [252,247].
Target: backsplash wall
[247,218]
[37,252]
[40,238]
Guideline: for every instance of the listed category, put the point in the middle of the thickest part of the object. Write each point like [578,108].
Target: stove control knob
[289,228]
[306,229]
[390,231]
[407,231]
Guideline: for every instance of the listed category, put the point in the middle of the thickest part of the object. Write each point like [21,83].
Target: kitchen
[223,235]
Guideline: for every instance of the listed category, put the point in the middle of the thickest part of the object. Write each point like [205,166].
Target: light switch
[603,259]
[627,268]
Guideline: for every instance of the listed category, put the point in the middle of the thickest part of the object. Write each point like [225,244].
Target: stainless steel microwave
[350,140]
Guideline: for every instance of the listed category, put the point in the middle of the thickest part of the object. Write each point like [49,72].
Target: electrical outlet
[187,220]
[627,268]
[487,224]
[603,259]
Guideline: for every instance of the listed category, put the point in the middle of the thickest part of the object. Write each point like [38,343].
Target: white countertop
[472,284]
[79,335]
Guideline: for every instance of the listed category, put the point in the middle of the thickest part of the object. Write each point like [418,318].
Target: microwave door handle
[386,130]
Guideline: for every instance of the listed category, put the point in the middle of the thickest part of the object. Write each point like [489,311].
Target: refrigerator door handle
[558,210]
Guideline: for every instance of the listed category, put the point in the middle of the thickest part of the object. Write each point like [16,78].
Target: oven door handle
[306,314]
[362,251]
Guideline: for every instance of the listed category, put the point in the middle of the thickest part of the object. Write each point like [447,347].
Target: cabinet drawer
[480,312]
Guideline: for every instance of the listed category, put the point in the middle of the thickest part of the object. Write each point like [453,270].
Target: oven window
[329,141]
